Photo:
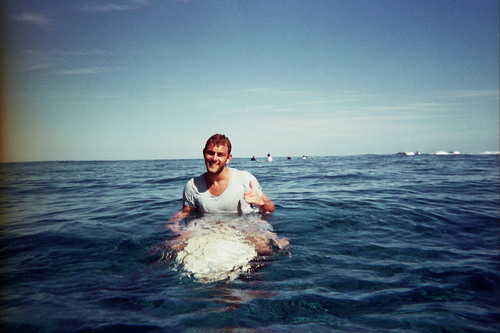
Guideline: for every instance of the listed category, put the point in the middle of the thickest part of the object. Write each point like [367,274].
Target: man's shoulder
[241,174]
[196,181]
[197,178]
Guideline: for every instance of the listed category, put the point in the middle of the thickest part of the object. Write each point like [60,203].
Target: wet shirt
[196,194]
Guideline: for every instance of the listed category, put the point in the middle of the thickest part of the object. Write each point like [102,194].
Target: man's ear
[229,158]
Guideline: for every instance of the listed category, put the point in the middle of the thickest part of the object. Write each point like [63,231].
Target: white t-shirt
[231,200]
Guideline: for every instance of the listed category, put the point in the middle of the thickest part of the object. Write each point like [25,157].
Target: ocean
[378,243]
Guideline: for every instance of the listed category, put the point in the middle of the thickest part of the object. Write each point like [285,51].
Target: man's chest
[218,189]
[230,200]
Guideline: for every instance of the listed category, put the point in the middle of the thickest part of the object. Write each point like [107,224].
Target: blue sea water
[378,244]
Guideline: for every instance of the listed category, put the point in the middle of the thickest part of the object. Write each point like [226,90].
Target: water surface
[379,244]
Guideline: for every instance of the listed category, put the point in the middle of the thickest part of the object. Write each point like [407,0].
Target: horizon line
[263,156]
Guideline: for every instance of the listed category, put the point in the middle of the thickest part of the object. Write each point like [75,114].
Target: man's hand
[262,201]
[177,218]
[253,197]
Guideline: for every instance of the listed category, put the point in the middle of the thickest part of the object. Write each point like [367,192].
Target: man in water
[222,189]
[217,249]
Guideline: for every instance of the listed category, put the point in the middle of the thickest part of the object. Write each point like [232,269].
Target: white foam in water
[211,249]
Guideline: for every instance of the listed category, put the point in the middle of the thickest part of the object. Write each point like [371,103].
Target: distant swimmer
[288,158]
[304,157]
[253,158]
[269,158]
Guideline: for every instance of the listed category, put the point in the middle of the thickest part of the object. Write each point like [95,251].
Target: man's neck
[218,182]
[217,177]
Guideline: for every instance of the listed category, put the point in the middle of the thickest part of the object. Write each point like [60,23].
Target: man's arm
[178,217]
[268,205]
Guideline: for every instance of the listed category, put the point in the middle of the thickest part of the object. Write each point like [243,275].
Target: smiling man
[222,189]
[212,250]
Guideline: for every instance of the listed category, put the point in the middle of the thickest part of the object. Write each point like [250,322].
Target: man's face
[216,158]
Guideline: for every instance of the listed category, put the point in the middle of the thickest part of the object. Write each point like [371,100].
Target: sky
[151,79]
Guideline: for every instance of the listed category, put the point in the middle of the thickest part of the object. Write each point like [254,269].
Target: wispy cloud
[469,94]
[338,113]
[37,66]
[84,71]
[35,19]
[57,53]
[36,59]
[115,6]
[405,108]
[338,103]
